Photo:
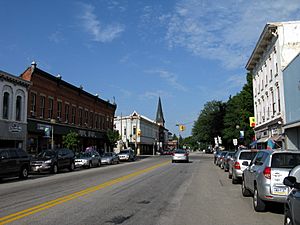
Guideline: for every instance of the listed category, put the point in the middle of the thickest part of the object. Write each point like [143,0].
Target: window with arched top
[18,108]
[5,105]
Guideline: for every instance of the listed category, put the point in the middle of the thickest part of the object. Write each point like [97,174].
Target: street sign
[235,141]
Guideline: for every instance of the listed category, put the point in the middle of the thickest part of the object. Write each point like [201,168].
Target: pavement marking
[21,214]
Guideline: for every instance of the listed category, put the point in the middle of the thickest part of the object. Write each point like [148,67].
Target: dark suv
[53,160]
[14,162]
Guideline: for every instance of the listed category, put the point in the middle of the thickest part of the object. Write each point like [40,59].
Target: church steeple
[159,114]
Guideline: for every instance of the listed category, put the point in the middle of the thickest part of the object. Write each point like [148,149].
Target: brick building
[55,104]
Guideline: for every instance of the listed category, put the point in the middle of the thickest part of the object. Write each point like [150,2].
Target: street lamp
[52,121]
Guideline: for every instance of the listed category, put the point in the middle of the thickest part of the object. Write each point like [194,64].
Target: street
[150,191]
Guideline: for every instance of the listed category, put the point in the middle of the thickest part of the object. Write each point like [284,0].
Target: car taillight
[237,165]
[267,172]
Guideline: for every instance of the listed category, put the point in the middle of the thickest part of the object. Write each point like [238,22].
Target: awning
[263,140]
[253,143]
[277,137]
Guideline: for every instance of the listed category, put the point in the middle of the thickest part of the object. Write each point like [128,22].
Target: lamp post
[52,133]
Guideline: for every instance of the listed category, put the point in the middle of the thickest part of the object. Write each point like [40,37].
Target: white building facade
[139,133]
[13,111]
[278,44]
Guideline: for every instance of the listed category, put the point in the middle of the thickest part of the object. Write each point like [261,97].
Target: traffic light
[181,127]
[252,121]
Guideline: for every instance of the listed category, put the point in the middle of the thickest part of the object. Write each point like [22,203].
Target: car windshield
[124,152]
[83,155]
[180,151]
[47,154]
[247,155]
[285,160]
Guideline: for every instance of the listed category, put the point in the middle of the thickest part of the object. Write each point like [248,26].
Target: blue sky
[187,52]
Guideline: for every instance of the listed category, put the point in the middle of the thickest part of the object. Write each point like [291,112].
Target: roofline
[54,78]
[19,80]
[262,36]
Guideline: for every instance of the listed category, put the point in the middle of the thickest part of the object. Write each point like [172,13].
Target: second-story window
[67,109]
[33,104]
[5,105]
[80,116]
[18,108]
[59,108]
[86,117]
[73,114]
[91,119]
[42,106]
[50,108]
[278,97]
[96,121]
[273,103]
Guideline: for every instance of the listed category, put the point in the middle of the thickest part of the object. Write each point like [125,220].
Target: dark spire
[159,114]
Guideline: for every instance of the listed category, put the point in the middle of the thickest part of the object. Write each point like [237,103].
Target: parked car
[53,160]
[14,162]
[127,155]
[221,159]
[263,177]
[227,158]
[110,158]
[236,166]
[292,205]
[216,156]
[180,155]
[88,159]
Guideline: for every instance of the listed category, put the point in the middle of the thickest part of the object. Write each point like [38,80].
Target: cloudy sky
[187,52]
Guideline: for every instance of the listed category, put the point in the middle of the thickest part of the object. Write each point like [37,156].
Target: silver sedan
[180,155]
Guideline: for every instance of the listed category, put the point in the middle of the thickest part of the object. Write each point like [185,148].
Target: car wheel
[72,166]
[245,191]
[258,204]
[173,161]
[24,173]
[234,179]
[99,163]
[54,169]
[287,217]
[118,161]
[90,165]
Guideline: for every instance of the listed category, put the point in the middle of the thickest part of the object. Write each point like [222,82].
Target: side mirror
[245,163]
[289,181]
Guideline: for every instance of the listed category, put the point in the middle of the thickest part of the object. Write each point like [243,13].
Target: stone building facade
[13,111]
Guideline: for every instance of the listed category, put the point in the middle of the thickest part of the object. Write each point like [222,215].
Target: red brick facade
[71,107]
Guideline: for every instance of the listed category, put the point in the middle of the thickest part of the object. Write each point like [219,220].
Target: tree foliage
[226,119]
[71,140]
[239,109]
[210,122]
[113,136]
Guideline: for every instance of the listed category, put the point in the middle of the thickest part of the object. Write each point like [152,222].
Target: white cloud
[170,78]
[56,37]
[100,32]
[224,30]
[154,94]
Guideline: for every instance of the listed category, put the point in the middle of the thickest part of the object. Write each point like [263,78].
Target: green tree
[71,140]
[113,136]
[239,109]
[210,122]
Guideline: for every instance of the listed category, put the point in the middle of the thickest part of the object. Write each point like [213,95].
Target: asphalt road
[150,191]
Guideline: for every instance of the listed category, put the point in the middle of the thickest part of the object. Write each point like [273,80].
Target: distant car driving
[180,155]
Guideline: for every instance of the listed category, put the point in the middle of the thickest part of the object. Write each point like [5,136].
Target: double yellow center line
[49,204]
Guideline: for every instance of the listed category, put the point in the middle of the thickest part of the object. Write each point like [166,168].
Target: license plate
[280,191]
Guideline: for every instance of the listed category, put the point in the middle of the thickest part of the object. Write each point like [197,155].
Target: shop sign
[15,128]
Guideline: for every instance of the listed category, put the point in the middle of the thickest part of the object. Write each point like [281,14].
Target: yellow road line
[52,203]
